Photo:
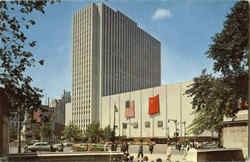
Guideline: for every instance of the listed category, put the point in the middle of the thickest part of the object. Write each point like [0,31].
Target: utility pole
[19,130]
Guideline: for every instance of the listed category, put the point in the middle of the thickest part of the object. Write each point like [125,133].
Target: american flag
[130,109]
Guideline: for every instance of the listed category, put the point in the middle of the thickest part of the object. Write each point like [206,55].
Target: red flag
[153,105]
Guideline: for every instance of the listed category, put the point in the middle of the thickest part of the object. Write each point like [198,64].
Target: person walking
[126,147]
[123,148]
[151,147]
[61,147]
[140,151]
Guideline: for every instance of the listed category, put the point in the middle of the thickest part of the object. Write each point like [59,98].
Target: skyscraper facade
[111,55]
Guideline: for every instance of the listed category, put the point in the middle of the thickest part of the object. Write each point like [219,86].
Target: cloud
[161,14]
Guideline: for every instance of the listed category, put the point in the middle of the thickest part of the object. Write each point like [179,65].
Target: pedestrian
[62,147]
[179,147]
[126,147]
[51,148]
[151,148]
[123,148]
[140,151]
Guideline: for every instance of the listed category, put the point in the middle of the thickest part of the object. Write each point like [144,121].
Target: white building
[111,55]
[174,105]
[68,113]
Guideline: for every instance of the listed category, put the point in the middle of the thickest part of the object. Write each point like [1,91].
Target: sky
[184,28]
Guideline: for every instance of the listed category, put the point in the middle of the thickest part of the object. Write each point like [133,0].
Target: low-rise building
[68,113]
[154,112]
[235,132]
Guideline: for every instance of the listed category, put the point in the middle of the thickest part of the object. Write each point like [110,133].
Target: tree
[107,133]
[211,102]
[217,96]
[46,131]
[73,131]
[12,133]
[15,52]
[93,132]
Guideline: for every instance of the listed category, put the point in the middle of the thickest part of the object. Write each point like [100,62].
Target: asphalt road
[133,149]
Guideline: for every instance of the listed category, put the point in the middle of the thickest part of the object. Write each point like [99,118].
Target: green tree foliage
[107,133]
[46,131]
[73,132]
[15,52]
[93,132]
[230,50]
[216,97]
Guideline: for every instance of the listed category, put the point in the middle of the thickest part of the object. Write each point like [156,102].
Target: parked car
[80,147]
[88,147]
[39,146]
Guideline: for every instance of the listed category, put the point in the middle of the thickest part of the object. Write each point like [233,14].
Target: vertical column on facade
[154,63]
[104,53]
[146,71]
[80,65]
[107,49]
[143,58]
[111,51]
[118,54]
[159,66]
[131,55]
[136,61]
[128,54]
[140,58]
[121,54]
[151,61]
[124,54]
[115,53]
[133,58]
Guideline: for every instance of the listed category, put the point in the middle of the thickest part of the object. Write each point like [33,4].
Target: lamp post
[115,110]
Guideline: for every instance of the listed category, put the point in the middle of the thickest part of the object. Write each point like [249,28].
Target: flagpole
[141,113]
[119,111]
[153,118]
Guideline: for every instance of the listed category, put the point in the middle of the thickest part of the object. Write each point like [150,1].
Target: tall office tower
[111,54]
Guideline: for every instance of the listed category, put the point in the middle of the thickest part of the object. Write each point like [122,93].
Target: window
[136,125]
[147,124]
[124,125]
[160,123]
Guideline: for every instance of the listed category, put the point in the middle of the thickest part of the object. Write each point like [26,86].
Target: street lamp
[113,132]
[115,110]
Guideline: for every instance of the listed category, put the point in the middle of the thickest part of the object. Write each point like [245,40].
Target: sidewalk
[162,156]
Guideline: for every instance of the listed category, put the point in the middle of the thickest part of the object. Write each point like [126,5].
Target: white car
[39,146]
